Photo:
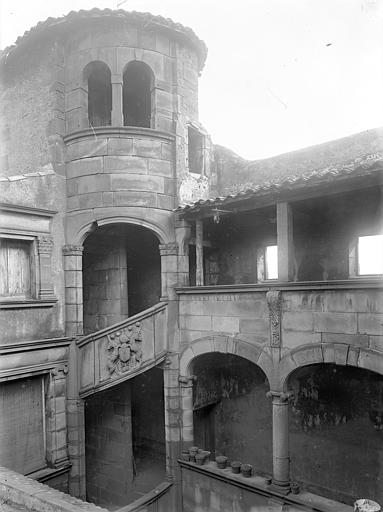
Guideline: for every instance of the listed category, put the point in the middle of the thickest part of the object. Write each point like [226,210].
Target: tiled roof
[287,173]
[138,18]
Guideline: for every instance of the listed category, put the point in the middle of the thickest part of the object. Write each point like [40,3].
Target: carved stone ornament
[274,302]
[44,244]
[124,349]
[168,249]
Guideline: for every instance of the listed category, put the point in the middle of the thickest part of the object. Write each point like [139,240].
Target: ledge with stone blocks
[206,478]
[21,491]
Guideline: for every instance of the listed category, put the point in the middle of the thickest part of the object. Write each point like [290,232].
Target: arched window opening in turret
[137,94]
[97,76]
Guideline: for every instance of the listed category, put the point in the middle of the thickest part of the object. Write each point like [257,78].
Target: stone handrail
[123,350]
[24,493]
[153,498]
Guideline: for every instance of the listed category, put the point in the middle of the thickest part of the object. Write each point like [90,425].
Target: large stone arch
[81,224]
[226,345]
[336,353]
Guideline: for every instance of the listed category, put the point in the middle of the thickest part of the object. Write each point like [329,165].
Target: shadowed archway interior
[336,431]
[121,274]
[232,414]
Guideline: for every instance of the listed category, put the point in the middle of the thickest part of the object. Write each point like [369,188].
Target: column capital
[280,397]
[170,249]
[186,381]
[44,244]
[59,372]
[73,250]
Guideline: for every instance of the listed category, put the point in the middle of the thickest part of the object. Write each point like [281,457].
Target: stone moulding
[118,132]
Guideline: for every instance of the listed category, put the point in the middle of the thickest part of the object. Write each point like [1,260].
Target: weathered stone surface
[297,338]
[298,321]
[335,322]
[225,324]
[125,164]
[370,323]
[360,340]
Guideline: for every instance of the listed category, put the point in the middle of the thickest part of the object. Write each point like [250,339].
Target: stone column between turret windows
[73,289]
[169,270]
[281,457]
[117,107]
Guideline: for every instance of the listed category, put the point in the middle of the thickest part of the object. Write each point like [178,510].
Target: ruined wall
[336,427]
[108,445]
[32,110]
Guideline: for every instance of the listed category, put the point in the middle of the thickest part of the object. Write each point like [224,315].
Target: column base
[280,487]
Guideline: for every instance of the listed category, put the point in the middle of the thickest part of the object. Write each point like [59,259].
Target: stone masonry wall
[120,171]
[32,111]
[109,457]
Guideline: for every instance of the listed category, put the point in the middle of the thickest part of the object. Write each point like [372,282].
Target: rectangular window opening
[271,262]
[370,255]
[16,270]
[195,151]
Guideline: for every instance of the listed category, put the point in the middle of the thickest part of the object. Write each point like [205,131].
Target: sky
[280,74]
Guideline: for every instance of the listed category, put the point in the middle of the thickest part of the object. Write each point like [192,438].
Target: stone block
[191,307]
[360,340]
[147,148]
[196,322]
[257,325]
[247,351]
[165,202]
[296,338]
[137,182]
[335,322]
[376,343]
[162,44]
[84,167]
[225,323]
[370,323]
[335,353]
[87,184]
[163,100]
[122,146]
[160,168]
[371,361]
[93,200]
[86,149]
[298,321]
[125,164]
[310,355]
[146,199]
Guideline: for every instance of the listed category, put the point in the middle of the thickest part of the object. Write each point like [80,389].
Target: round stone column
[281,457]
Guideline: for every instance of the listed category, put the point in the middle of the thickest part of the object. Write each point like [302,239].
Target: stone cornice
[29,210]
[118,132]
